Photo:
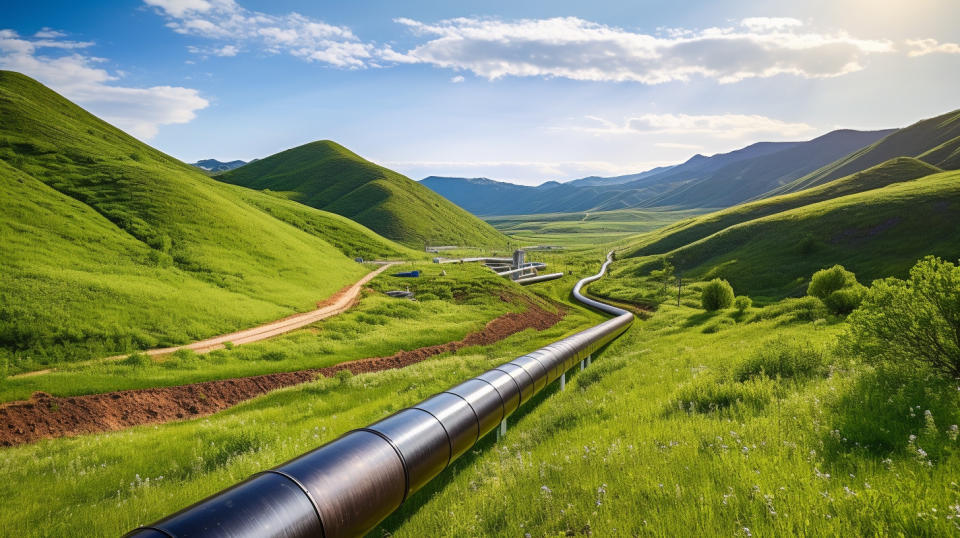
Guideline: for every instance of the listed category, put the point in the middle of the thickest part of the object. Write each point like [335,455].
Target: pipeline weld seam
[475,416]
[403,462]
[313,502]
[519,392]
[445,432]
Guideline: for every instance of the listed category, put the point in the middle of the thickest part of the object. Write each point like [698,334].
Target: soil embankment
[46,416]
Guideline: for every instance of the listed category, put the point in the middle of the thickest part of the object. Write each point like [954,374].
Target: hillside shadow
[700,318]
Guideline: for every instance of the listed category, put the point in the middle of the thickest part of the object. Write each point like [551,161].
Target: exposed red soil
[45,416]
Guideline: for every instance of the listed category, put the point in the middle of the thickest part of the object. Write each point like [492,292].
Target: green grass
[877,233]
[111,246]
[448,308]
[667,442]
[122,479]
[579,229]
[687,231]
[328,176]
[922,139]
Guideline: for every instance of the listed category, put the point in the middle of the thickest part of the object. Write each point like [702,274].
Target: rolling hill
[876,233]
[668,238]
[109,245]
[934,140]
[327,176]
[720,180]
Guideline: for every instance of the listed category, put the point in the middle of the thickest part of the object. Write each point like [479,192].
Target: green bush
[742,303]
[826,281]
[136,360]
[913,321]
[783,359]
[800,309]
[707,394]
[716,295]
[846,300]
[343,376]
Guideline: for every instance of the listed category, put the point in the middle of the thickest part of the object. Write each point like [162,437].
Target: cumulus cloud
[922,47]
[139,111]
[294,34]
[716,125]
[457,79]
[574,48]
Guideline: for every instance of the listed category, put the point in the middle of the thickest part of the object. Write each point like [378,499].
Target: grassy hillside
[913,141]
[666,239]
[110,245]
[328,176]
[877,233]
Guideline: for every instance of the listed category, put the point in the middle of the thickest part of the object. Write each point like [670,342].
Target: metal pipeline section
[527,267]
[347,486]
[537,278]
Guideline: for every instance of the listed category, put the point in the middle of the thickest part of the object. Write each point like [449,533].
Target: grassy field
[122,479]
[448,309]
[328,176]
[687,231]
[585,228]
[110,246]
[696,424]
[933,140]
[876,233]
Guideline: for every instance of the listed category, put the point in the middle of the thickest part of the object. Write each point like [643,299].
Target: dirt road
[339,302]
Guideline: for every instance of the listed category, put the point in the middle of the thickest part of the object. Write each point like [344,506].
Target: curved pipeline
[347,486]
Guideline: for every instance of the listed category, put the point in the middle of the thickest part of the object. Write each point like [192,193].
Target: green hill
[328,176]
[877,233]
[109,245]
[671,237]
[934,140]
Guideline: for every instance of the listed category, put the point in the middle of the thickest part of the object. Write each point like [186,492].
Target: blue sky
[520,91]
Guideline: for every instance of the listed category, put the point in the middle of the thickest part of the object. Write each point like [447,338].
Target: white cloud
[140,111]
[716,125]
[294,34]
[574,48]
[922,47]
[457,79]
[49,33]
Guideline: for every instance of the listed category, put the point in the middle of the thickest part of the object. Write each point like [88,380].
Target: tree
[911,321]
[716,295]
[742,303]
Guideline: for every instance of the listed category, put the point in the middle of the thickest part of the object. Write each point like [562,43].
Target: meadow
[448,308]
[122,479]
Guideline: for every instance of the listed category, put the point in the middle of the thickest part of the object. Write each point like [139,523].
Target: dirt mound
[46,416]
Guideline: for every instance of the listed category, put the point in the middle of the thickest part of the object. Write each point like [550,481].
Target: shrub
[742,303]
[845,300]
[826,281]
[913,321]
[783,359]
[136,360]
[801,309]
[708,394]
[716,295]
[343,376]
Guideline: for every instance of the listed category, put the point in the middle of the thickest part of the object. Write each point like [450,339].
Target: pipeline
[349,485]
[538,278]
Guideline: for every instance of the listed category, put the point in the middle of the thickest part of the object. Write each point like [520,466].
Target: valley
[760,341]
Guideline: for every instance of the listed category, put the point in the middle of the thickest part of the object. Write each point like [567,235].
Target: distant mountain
[213,165]
[596,181]
[718,181]
[328,176]
[935,141]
